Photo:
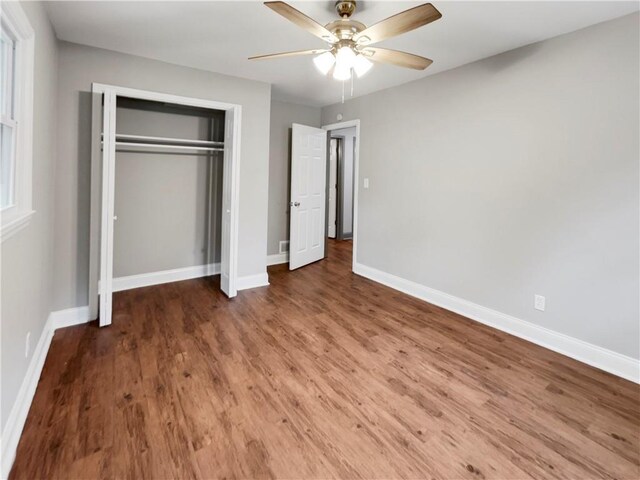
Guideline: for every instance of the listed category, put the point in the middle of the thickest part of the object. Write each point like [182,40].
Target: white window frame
[17,216]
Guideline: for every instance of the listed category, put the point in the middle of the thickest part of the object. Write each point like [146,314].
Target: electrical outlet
[27,345]
[539,302]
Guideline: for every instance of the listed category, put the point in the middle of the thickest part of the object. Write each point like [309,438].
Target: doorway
[343,141]
[341,180]
[312,187]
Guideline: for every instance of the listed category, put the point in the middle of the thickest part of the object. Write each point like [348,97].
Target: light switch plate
[366,183]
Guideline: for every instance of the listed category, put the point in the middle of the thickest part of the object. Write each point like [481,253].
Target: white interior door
[229,215]
[108,190]
[308,195]
[332,224]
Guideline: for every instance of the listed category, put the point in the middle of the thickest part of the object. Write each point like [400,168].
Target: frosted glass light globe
[324,62]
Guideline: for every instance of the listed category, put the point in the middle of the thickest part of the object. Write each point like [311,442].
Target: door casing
[356,179]
[102,193]
[336,208]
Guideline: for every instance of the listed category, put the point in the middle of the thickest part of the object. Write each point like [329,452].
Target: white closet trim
[101,242]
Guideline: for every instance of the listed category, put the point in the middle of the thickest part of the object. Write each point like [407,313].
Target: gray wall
[282,116]
[27,256]
[513,176]
[82,65]
[167,217]
[349,135]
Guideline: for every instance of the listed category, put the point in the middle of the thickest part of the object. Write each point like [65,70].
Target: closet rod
[165,139]
[159,145]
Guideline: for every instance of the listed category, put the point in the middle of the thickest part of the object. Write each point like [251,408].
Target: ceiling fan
[349,40]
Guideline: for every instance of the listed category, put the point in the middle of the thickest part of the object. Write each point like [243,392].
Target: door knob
[294,204]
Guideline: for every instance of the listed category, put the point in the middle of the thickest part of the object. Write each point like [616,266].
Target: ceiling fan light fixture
[345,58]
[341,72]
[324,62]
[361,65]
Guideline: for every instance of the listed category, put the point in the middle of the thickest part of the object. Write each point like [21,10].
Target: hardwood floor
[323,374]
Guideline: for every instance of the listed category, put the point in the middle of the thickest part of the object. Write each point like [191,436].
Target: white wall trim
[164,276]
[253,281]
[12,226]
[69,317]
[18,415]
[598,357]
[277,259]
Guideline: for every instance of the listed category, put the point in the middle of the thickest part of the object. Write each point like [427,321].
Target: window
[16,118]
[7,119]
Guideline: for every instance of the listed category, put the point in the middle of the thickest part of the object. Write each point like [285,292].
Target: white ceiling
[219,36]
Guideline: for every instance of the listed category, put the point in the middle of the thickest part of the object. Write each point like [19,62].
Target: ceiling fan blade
[400,23]
[288,54]
[401,59]
[301,20]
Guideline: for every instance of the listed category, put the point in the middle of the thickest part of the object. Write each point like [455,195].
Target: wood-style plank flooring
[323,374]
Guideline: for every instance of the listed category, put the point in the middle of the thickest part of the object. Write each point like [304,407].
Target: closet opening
[164,192]
[168,193]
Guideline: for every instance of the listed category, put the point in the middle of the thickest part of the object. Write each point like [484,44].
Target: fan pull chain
[352,73]
[343,91]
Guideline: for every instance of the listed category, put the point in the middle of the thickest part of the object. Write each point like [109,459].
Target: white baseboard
[164,276]
[69,317]
[277,259]
[252,281]
[187,273]
[607,360]
[18,415]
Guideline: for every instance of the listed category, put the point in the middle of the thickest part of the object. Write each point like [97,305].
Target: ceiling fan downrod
[345,8]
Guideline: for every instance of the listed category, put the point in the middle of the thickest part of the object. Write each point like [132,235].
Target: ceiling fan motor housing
[345,29]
